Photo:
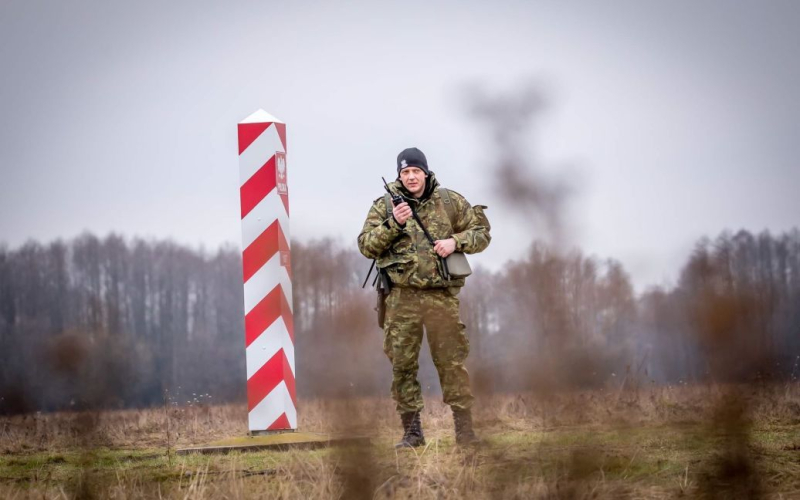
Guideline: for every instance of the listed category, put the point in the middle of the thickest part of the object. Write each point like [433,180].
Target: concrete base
[279,442]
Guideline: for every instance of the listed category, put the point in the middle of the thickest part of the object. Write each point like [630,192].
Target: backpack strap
[388,201]
[448,206]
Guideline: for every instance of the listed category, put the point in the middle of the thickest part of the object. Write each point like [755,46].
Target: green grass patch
[647,456]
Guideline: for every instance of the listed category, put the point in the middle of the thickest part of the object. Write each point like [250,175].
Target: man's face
[413,179]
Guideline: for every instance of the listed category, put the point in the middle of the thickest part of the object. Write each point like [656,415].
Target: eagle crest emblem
[281,159]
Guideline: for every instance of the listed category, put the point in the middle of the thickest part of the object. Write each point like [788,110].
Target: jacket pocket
[399,267]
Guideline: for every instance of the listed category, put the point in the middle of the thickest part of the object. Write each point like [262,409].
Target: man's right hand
[401,213]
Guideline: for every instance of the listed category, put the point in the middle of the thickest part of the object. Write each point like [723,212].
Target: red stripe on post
[249,132]
[283,246]
[261,250]
[257,187]
[281,423]
[267,378]
[285,200]
[281,128]
[288,317]
[263,315]
[288,377]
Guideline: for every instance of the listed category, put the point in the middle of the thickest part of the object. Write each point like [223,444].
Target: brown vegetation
[630,441]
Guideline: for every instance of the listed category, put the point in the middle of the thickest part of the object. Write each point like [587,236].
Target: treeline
[565,321]
[106,322]
[113,322]
[734,314]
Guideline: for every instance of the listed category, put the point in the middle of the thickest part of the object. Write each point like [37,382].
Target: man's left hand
[444,247]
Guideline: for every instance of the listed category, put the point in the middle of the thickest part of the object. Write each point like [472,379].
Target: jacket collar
[430,186]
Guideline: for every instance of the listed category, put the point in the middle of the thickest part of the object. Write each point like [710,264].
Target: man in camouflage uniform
[420,294]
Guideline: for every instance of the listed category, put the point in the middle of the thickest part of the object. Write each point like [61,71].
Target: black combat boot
[412,431]
[465,436]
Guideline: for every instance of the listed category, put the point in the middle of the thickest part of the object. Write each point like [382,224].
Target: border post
[267,274]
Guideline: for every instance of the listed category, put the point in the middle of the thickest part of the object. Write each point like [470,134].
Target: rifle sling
[450,215]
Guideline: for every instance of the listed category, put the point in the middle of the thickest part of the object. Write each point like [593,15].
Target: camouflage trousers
[407,311]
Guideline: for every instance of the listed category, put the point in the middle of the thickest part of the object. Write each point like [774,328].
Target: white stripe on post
[268,277]
[266,210]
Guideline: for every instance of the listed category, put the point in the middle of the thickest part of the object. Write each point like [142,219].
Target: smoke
[340,359]
[724,316]
[539,200]
[521,181]
[549,337]
[732,471]
[727,320]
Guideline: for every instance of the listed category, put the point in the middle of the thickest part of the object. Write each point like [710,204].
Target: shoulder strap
[448,206]
[388,201]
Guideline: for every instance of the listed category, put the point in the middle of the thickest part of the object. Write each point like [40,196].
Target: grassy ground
[713,442]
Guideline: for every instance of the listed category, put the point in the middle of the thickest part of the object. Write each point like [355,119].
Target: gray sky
[674,119]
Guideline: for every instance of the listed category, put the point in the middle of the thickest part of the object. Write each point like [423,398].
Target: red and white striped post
[267,275]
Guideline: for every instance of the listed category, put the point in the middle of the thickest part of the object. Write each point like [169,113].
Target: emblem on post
[280,181]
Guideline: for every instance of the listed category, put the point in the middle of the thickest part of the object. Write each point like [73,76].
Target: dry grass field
[662,442]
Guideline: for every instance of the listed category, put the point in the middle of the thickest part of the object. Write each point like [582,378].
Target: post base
[278,441]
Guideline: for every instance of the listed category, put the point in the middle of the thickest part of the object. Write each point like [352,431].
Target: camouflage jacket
[404,251]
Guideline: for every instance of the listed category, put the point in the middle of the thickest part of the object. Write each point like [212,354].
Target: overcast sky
[673,119]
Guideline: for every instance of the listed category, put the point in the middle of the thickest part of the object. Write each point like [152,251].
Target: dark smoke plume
[521,182]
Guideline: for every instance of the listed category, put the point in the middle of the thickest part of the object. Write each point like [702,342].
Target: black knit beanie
[412,157]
